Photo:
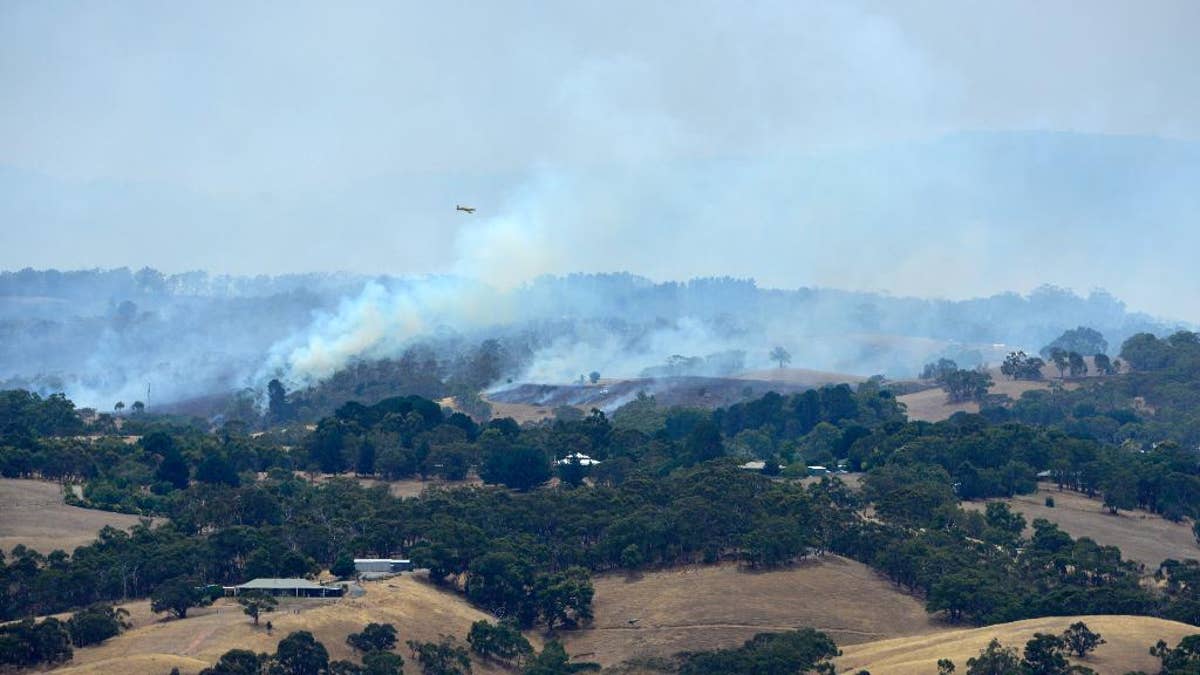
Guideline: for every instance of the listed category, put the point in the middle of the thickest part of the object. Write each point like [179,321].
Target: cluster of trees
[1044,654]
[502,642]
[1182,659]
[1020,366]
[960,384]
[667,491]
[26,416]
[979,568]
[1071,363]
[29,643]
[798,651]
[1178,353]
[522,555]
[301,654]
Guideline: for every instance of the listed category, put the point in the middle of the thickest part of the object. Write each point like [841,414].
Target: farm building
[298,588]
[381,565]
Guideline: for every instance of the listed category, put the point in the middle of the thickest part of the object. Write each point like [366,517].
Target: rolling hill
[1128,640]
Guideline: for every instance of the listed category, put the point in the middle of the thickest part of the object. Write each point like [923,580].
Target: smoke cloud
[945,150]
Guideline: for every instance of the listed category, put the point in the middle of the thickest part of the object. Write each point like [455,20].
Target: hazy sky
[667,139]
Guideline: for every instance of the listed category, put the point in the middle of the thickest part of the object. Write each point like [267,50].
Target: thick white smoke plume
[494,255]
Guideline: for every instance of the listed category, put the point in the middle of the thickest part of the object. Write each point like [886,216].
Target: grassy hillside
[417,609]
[701,608]
[1141,536]
[35,515]
[930,405]
[1128,642]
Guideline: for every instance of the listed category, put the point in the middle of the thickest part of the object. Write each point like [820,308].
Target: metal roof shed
[300,588]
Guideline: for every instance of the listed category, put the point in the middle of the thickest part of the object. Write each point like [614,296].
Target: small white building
[578,458]
[755,465]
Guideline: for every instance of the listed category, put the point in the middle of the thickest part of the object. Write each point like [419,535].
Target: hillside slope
[416,608]
[1129,639]
[660,613]
[1142,536]
[36,515]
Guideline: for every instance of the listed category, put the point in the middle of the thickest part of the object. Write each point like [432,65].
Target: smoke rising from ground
[864,145]
[948,151]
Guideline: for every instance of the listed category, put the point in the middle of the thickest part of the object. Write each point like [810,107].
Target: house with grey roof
[297,588]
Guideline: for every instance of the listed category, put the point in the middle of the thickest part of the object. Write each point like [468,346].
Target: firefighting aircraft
[467,209]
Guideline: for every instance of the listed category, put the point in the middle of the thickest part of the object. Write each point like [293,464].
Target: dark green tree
[1080,639]
[1018,366]
[216,468]
[277,405]
[343,566]
[382,663]
[1059,358]
[1044,655]
[1076,365]
[564,597]
[444,657]
[177,596]
[501,641]
[519,467]
[373,638]
[1146,352]
[96,624]
[704,442]
[966,385]
[173,468]
[1120,491]
[235,662]
[300,654]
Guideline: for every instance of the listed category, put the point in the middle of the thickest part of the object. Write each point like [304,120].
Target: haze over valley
[668,338]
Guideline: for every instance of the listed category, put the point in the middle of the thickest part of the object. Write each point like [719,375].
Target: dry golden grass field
[930,405]
[699,608]
[153,646]
[1141,536]
[32,513]
[1128,643]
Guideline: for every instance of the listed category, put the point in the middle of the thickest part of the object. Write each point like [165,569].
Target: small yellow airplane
[467,209]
